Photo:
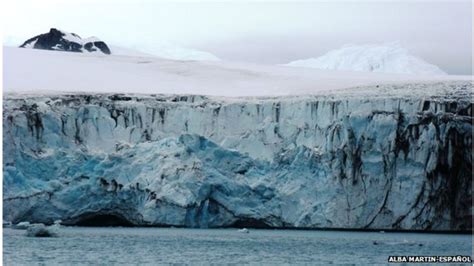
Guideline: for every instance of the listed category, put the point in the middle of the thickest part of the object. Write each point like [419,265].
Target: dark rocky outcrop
[63,41]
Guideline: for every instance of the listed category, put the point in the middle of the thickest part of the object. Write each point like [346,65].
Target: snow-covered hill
[387,58]
[59,40]
[136,72]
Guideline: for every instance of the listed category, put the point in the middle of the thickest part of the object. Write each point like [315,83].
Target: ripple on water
[113,245]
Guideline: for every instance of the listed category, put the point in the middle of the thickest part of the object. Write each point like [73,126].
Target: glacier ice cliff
[381,157]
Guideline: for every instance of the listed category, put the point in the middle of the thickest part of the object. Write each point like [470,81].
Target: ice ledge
[443,90]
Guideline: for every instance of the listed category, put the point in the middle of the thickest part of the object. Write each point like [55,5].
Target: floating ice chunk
[40,230]
[22,225]
[244,230]
[396,243]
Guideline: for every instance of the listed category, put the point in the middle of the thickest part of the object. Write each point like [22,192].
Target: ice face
[389,161]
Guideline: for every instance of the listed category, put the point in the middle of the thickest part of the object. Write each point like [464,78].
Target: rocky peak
[64,41]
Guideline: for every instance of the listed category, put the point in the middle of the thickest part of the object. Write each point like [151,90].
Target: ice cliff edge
[376,161]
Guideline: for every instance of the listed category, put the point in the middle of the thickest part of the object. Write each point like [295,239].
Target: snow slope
[388,58]
[175,52]
[147,74]
[166,51]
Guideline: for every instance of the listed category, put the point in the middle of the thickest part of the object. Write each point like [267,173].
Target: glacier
[373,157]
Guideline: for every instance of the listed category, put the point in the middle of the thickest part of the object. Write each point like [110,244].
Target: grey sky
[264,32]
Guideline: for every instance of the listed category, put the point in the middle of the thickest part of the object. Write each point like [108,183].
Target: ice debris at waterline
[41,230]
[21,225]
[243,230]
[382,157]
[7,224]
[392,243]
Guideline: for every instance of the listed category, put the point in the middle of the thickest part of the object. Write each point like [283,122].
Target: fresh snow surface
[72,37]
[387,58]
[165,51]
[123,51]
[174,52]
[39,71]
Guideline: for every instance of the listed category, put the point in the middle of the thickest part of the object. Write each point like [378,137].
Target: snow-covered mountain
[387,58]
[381,157]
[59,40]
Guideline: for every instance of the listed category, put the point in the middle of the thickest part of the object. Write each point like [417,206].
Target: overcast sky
[258,31]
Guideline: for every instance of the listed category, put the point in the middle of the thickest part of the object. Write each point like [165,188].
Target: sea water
[141,246]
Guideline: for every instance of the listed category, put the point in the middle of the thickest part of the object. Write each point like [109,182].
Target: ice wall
[391,157]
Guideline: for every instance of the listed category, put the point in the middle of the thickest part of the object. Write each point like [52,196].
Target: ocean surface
[151,246]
